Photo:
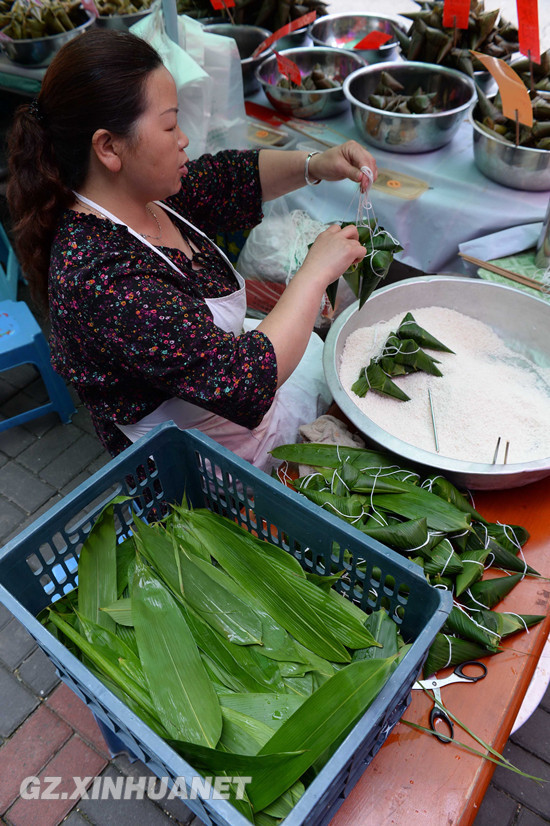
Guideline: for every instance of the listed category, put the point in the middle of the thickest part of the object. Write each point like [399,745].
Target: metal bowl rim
[289,52]
[128,14]
[246,60]
[498,140]
[411,452]
[446,70]
[51,37]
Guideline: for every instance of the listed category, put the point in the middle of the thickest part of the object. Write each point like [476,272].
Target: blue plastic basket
[39,566]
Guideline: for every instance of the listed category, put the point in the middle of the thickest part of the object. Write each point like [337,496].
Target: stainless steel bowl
[321,103]
[120,22]
[40,51]
[247,38]
[343,31]
[394,132]
[517,167]
[519,319]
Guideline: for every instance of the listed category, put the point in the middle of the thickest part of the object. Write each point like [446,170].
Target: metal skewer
[496,451]
[506,452]
[506,448]
[433,421]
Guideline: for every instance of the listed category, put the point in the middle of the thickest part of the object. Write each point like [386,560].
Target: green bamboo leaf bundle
[372,377]
[442,559]
[407,352]
[460,623]
[439,515]
[442,487]
[185,699]
[447,651]
[506,623]
[405,537]
[472,569]
[489,592]
[409,329]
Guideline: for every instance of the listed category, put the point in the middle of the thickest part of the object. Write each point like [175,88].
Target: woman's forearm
[282,171]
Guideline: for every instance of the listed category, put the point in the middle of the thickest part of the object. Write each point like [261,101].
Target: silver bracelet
[309,182]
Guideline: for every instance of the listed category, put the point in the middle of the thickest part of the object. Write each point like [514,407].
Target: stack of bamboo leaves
[432,524]
[226,648]
[364,277]
[271,14]
[31,19]
[430,42]
[401,355]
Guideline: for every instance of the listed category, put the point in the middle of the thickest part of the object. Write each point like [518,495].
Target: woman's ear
[106,149]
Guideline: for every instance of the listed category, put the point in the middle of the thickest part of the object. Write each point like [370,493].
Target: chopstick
[510,274]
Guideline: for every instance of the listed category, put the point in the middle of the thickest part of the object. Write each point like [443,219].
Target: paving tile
[124,812]
[75,712]
[525,791]
[75,758]
[32,517]
[5,615]
[15,440]
[11,518]
[534,734]
[529,818]
[15,643]
[41,452]
[496,807]
[38,673]
[23,488]
[176,808]
[39,427]
[37,391]
[75,819]
[27,752]
[72,461]
[17,703]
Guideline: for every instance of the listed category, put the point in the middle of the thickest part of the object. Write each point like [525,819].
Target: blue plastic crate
[39,566]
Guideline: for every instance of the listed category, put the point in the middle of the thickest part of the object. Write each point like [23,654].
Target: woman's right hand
[332,253]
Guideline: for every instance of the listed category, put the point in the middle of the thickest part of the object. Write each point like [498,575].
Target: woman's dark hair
[96,81]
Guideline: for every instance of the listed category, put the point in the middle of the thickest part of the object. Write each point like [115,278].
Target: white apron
[303,397]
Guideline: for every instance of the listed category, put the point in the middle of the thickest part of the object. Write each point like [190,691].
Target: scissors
[432,684]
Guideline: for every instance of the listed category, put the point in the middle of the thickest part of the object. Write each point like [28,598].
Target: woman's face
[154,161]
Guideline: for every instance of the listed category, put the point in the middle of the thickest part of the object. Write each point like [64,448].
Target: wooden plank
[415,779]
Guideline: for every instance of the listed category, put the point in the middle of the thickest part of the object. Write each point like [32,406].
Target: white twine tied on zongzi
[479,624]
[365,213]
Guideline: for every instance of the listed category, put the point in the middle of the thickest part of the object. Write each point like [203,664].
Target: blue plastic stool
[10,271]
[22,342]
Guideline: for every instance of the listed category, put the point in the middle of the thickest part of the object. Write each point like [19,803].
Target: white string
[479,625]
[483,606]
[520,618]
[448,558]
[450,651]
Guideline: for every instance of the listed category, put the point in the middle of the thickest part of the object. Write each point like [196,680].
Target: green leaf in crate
[303,686]
[270,709]
[317,621]
[125,557]
[113,648]
[461,623]
[332,710]
[384,630]
[242,734]
[284,804]
[325,583]
[97,570]
[489,592]
[408,328]
[185,699]
[447,651]
[441,487]
[439,515]
[372,377]
[120,611]
[219,607]
[473,566]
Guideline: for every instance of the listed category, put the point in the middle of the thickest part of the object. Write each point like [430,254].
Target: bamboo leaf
[385,632]
[125,557]
[97,570]
[440,486]
[183,694]
[270,709]
[349,508]
[405,537]
[472,569]
[499,557]
[442,559]
[333,709]
[331,456]
[284,804]
[243,734]
[408,328]
[447,651]
[507,623]
[439,515]
[489,592]
[476,630]
[120,611]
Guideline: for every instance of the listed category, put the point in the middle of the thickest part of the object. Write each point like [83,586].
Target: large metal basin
[519,319]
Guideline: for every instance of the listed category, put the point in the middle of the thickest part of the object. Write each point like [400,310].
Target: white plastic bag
[219,57]
[193,83]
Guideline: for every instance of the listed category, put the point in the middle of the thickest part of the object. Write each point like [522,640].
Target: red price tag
[90,6]
[299,23]
[456,13]
[218,5]
[289,69]
[528,29]
[516,102]
[373,40]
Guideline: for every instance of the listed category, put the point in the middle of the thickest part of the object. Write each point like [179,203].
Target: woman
[112,226]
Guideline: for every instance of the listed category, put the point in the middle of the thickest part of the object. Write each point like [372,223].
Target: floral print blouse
[129,332]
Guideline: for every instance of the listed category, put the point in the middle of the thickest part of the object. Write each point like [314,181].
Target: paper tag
[399,184]
[513,92]
[373,40]
[90,6]
[456,14]
[289,69]
[299,23]
[528,29]
[218,5]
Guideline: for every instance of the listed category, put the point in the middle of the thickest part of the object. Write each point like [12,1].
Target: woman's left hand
[343,161]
